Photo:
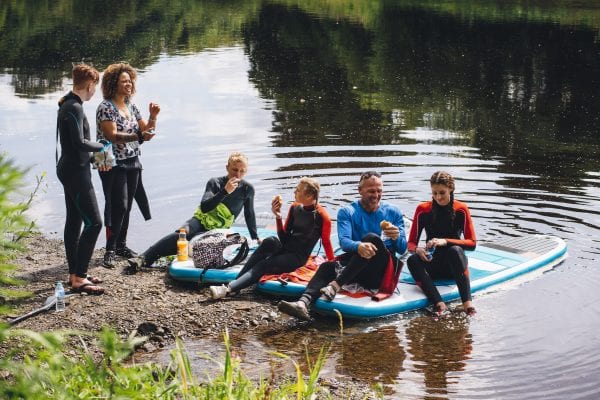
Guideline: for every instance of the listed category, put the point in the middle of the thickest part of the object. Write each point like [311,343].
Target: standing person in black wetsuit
[449,232]
[73,170]
[120,121]
[221,203]
[306,223]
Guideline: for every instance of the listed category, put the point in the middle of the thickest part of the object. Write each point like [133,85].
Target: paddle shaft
[45,307]
[48,304]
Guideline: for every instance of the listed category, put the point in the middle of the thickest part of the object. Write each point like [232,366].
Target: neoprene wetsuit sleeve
[415,229]
[283,229]
[249,214]
[74,123]
[213,195]
[326,233]
[469,242]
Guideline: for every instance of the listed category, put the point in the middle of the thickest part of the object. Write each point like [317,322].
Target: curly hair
[110,79]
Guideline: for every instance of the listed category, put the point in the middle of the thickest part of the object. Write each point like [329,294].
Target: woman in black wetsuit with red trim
[306,223]
[449,232]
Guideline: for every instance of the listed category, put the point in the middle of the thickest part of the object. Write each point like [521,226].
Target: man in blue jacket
[370,231]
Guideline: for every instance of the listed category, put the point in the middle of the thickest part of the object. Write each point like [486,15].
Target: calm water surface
[504,98]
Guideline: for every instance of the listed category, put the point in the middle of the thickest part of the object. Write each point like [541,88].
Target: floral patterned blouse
[108,111]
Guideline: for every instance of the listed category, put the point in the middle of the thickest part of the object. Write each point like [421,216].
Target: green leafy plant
[13,227]
[59,365]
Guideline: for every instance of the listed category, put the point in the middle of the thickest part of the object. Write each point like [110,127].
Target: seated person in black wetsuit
[221,203]
[449,232]
[306,223]
[73,170]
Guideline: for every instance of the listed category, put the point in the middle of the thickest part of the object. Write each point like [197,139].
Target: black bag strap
[56,145]
[241,254]
[239,257]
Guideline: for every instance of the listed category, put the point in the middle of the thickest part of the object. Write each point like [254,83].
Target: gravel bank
[148,303]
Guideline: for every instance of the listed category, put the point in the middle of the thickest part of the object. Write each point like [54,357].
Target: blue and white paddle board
[187,271]
[506,261]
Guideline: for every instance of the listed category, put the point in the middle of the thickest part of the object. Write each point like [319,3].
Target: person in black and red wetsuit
[306,223]
[449,232]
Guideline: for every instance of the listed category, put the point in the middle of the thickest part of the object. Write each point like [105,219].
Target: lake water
[503,96]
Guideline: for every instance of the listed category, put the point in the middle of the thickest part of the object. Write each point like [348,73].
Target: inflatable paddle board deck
[509,260]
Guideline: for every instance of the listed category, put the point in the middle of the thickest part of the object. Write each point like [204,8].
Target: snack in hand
[385,224]
[279,198]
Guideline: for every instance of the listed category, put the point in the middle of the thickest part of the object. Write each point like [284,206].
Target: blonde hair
[235,157]
[310,187]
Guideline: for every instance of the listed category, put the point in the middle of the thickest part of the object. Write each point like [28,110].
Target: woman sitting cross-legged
[306,223]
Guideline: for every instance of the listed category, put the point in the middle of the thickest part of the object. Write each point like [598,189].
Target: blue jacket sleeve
[344,228]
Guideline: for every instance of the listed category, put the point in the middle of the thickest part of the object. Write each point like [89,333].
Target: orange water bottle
[182,246]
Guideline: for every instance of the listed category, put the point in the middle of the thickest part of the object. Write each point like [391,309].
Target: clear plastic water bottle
[430,252]
[59,293]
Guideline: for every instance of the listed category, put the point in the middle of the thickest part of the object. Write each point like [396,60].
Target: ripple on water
[542,349]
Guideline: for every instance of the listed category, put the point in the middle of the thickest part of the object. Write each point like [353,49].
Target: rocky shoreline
[147,303]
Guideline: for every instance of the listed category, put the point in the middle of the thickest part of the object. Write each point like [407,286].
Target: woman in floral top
[120,122]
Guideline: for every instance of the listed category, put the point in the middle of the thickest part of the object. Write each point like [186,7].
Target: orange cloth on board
[305,273]
[301,275]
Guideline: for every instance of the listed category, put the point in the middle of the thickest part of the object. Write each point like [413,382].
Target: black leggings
[168,244]
[119,184]
[269,258]
[367,272]
[82,208]
[447,263]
